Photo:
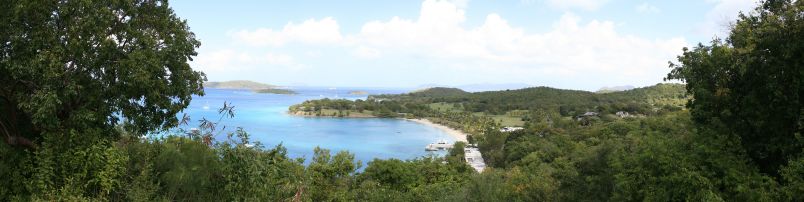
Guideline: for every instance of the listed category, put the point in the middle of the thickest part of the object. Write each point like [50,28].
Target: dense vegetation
[567,102]
[77,107]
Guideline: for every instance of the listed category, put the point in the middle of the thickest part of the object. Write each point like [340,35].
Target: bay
[265,118]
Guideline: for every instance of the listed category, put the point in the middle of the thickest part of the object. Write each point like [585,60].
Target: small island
[238,84]
[358,92]
[254,86]
[276,91]
[344,108]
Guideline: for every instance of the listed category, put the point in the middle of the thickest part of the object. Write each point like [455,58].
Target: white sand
[457,134]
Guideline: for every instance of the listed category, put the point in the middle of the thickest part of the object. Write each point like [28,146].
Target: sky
[570,44]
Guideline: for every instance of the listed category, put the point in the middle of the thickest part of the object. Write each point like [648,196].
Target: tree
[82,64]
[752,85]
[72,70]
[392,173]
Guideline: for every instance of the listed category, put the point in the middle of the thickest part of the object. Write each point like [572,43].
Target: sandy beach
[457,134]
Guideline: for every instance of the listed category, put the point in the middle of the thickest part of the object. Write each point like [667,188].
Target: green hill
[568,102]
[438,92]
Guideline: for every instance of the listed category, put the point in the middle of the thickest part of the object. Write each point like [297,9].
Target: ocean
[265,118]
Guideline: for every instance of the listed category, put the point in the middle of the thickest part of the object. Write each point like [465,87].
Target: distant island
[254,86]
[358,92]
[238,84]
[276,91]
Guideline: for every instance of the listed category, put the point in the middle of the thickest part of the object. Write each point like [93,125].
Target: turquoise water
[265,117]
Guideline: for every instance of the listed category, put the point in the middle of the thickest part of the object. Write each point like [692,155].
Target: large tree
[751,86]
[70,71]
[90,64]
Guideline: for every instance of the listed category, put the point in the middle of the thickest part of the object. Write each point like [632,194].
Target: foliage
[70,72]
[750,86]
[568,102]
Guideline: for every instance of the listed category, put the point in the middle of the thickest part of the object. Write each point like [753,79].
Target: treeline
[377,108]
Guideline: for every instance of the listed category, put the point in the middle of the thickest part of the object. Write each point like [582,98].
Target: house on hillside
[510,129]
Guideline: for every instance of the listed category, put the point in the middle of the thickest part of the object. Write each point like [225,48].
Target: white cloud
[570,48]
[310,31]
[227,59]
[366,52]
[647,8]
[573,49]
[718,19]
[581,4]
[460,3]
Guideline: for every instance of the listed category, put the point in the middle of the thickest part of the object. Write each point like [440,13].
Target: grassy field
[512,118]
[504,120]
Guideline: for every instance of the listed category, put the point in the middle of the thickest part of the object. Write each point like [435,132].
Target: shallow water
[265,117]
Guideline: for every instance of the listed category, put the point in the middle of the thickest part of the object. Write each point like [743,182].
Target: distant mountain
[615,89]
[239,84]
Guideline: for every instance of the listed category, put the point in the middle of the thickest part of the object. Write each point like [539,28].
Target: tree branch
[16,140]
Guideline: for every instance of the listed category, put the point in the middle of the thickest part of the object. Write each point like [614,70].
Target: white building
[474,158]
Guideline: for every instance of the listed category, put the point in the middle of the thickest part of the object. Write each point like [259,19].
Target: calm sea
[265,117]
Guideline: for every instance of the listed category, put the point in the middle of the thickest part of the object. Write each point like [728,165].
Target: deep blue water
[265,117]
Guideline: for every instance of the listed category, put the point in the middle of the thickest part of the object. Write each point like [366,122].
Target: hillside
[567,102]
[437,92]
[238,84]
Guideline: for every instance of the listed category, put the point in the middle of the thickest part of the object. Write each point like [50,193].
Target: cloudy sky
[574,44]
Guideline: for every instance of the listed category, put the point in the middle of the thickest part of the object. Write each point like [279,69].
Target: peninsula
[254,86]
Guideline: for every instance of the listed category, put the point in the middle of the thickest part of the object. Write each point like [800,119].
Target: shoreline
[457,134]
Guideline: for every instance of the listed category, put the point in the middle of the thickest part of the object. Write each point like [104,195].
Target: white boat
[440,145]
